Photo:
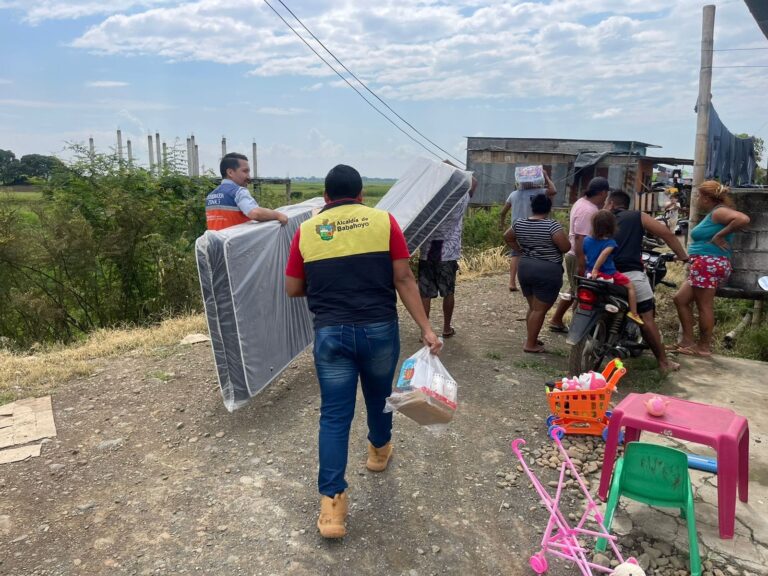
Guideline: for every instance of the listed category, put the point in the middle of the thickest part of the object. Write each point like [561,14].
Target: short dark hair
[619,198]
[343,182]
[596,186]
[231,160]
[603,224]
[541,204]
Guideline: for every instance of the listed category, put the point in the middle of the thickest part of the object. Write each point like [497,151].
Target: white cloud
[607,113]
[101,104]
[569,64]
[5,81]
[106,84]
[41,10]
[276,111]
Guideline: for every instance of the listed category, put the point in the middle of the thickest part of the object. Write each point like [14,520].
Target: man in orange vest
[230,203]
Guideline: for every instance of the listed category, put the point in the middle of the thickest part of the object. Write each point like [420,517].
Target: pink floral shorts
[709,271]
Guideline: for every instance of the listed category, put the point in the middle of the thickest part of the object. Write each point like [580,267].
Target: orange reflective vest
[221,209]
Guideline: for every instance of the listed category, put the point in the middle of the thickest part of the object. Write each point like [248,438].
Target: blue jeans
[342,354]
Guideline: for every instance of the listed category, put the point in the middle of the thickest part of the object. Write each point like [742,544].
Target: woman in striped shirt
[541,242]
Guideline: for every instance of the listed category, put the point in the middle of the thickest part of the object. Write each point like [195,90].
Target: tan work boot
[378,458]
[333,516]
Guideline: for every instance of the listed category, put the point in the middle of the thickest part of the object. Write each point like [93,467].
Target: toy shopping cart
[560,539]
[584,411]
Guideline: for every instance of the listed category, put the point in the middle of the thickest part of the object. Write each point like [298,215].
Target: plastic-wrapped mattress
[424,196]
[256,329]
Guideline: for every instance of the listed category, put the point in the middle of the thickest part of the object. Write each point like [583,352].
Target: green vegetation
[103,245]
[100,244]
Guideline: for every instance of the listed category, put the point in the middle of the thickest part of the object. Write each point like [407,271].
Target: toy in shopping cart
[581,405]
[560,539]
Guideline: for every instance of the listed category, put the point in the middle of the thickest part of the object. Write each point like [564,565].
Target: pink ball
[656,406]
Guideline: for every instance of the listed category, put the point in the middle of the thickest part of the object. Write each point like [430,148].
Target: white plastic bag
[425,391]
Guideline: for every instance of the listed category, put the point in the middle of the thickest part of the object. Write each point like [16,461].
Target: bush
[111,245]
[481,229]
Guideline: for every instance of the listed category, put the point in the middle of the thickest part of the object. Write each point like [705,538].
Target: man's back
[628,256]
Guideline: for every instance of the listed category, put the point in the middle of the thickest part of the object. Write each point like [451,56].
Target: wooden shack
[570,163]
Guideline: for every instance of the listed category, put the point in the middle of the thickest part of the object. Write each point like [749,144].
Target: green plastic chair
[658,476]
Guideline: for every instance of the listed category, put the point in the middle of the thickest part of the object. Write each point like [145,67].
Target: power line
[735,49]
[387,118]
[364,85]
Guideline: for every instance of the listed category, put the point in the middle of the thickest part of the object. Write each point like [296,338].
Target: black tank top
[629,236]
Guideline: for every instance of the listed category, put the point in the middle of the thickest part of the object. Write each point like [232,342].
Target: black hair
[603,224]
[596,186]
[231,161]
[343,182]
[541,204]
[619,198]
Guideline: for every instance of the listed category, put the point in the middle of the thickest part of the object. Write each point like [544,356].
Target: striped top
[535,238]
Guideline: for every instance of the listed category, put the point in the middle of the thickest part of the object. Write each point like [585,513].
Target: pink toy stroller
[559,538]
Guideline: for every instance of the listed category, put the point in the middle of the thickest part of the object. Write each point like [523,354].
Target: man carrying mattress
[230,203]
[351,261]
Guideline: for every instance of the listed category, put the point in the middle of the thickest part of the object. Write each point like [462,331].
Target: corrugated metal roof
[566,140]
[759,9]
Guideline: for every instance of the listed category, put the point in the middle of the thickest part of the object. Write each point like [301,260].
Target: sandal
[539,350]
[691,351]
[450,333]
[559,329]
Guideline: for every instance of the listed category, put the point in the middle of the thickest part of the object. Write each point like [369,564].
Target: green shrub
[110,245]
[481,229]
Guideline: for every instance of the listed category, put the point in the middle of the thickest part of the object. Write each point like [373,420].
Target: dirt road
[150,475]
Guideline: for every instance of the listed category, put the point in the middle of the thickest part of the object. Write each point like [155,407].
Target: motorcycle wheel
[584,356]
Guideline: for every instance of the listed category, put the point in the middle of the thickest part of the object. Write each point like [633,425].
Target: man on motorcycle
[628,257]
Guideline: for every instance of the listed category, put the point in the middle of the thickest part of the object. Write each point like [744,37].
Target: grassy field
[274,194]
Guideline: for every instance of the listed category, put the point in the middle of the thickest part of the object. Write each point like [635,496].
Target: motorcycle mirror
[763,283]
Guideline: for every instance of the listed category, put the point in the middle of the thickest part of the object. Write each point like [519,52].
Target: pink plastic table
[722,429]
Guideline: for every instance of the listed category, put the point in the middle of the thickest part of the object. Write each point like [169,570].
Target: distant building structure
[570,163]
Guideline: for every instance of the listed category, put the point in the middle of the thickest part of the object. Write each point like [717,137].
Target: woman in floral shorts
[709,266]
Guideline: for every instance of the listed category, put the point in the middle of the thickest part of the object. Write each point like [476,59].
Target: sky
[587,69]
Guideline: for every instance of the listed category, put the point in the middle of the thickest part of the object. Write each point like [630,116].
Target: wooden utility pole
[702,107]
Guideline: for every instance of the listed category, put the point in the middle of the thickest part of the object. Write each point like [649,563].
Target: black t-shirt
[628,256]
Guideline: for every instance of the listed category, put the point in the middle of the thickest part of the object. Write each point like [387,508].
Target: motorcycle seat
[601,286]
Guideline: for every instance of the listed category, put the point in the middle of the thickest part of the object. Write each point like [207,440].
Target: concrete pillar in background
[91,148]
[157,152]
[254,163]
[119,145]
[189,156]
[151,153]
[130,152]
[165,156]
[223,147]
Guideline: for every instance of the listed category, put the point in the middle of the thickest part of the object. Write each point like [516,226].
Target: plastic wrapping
[424,196]
[256,329]
[529,177]
[425,391]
